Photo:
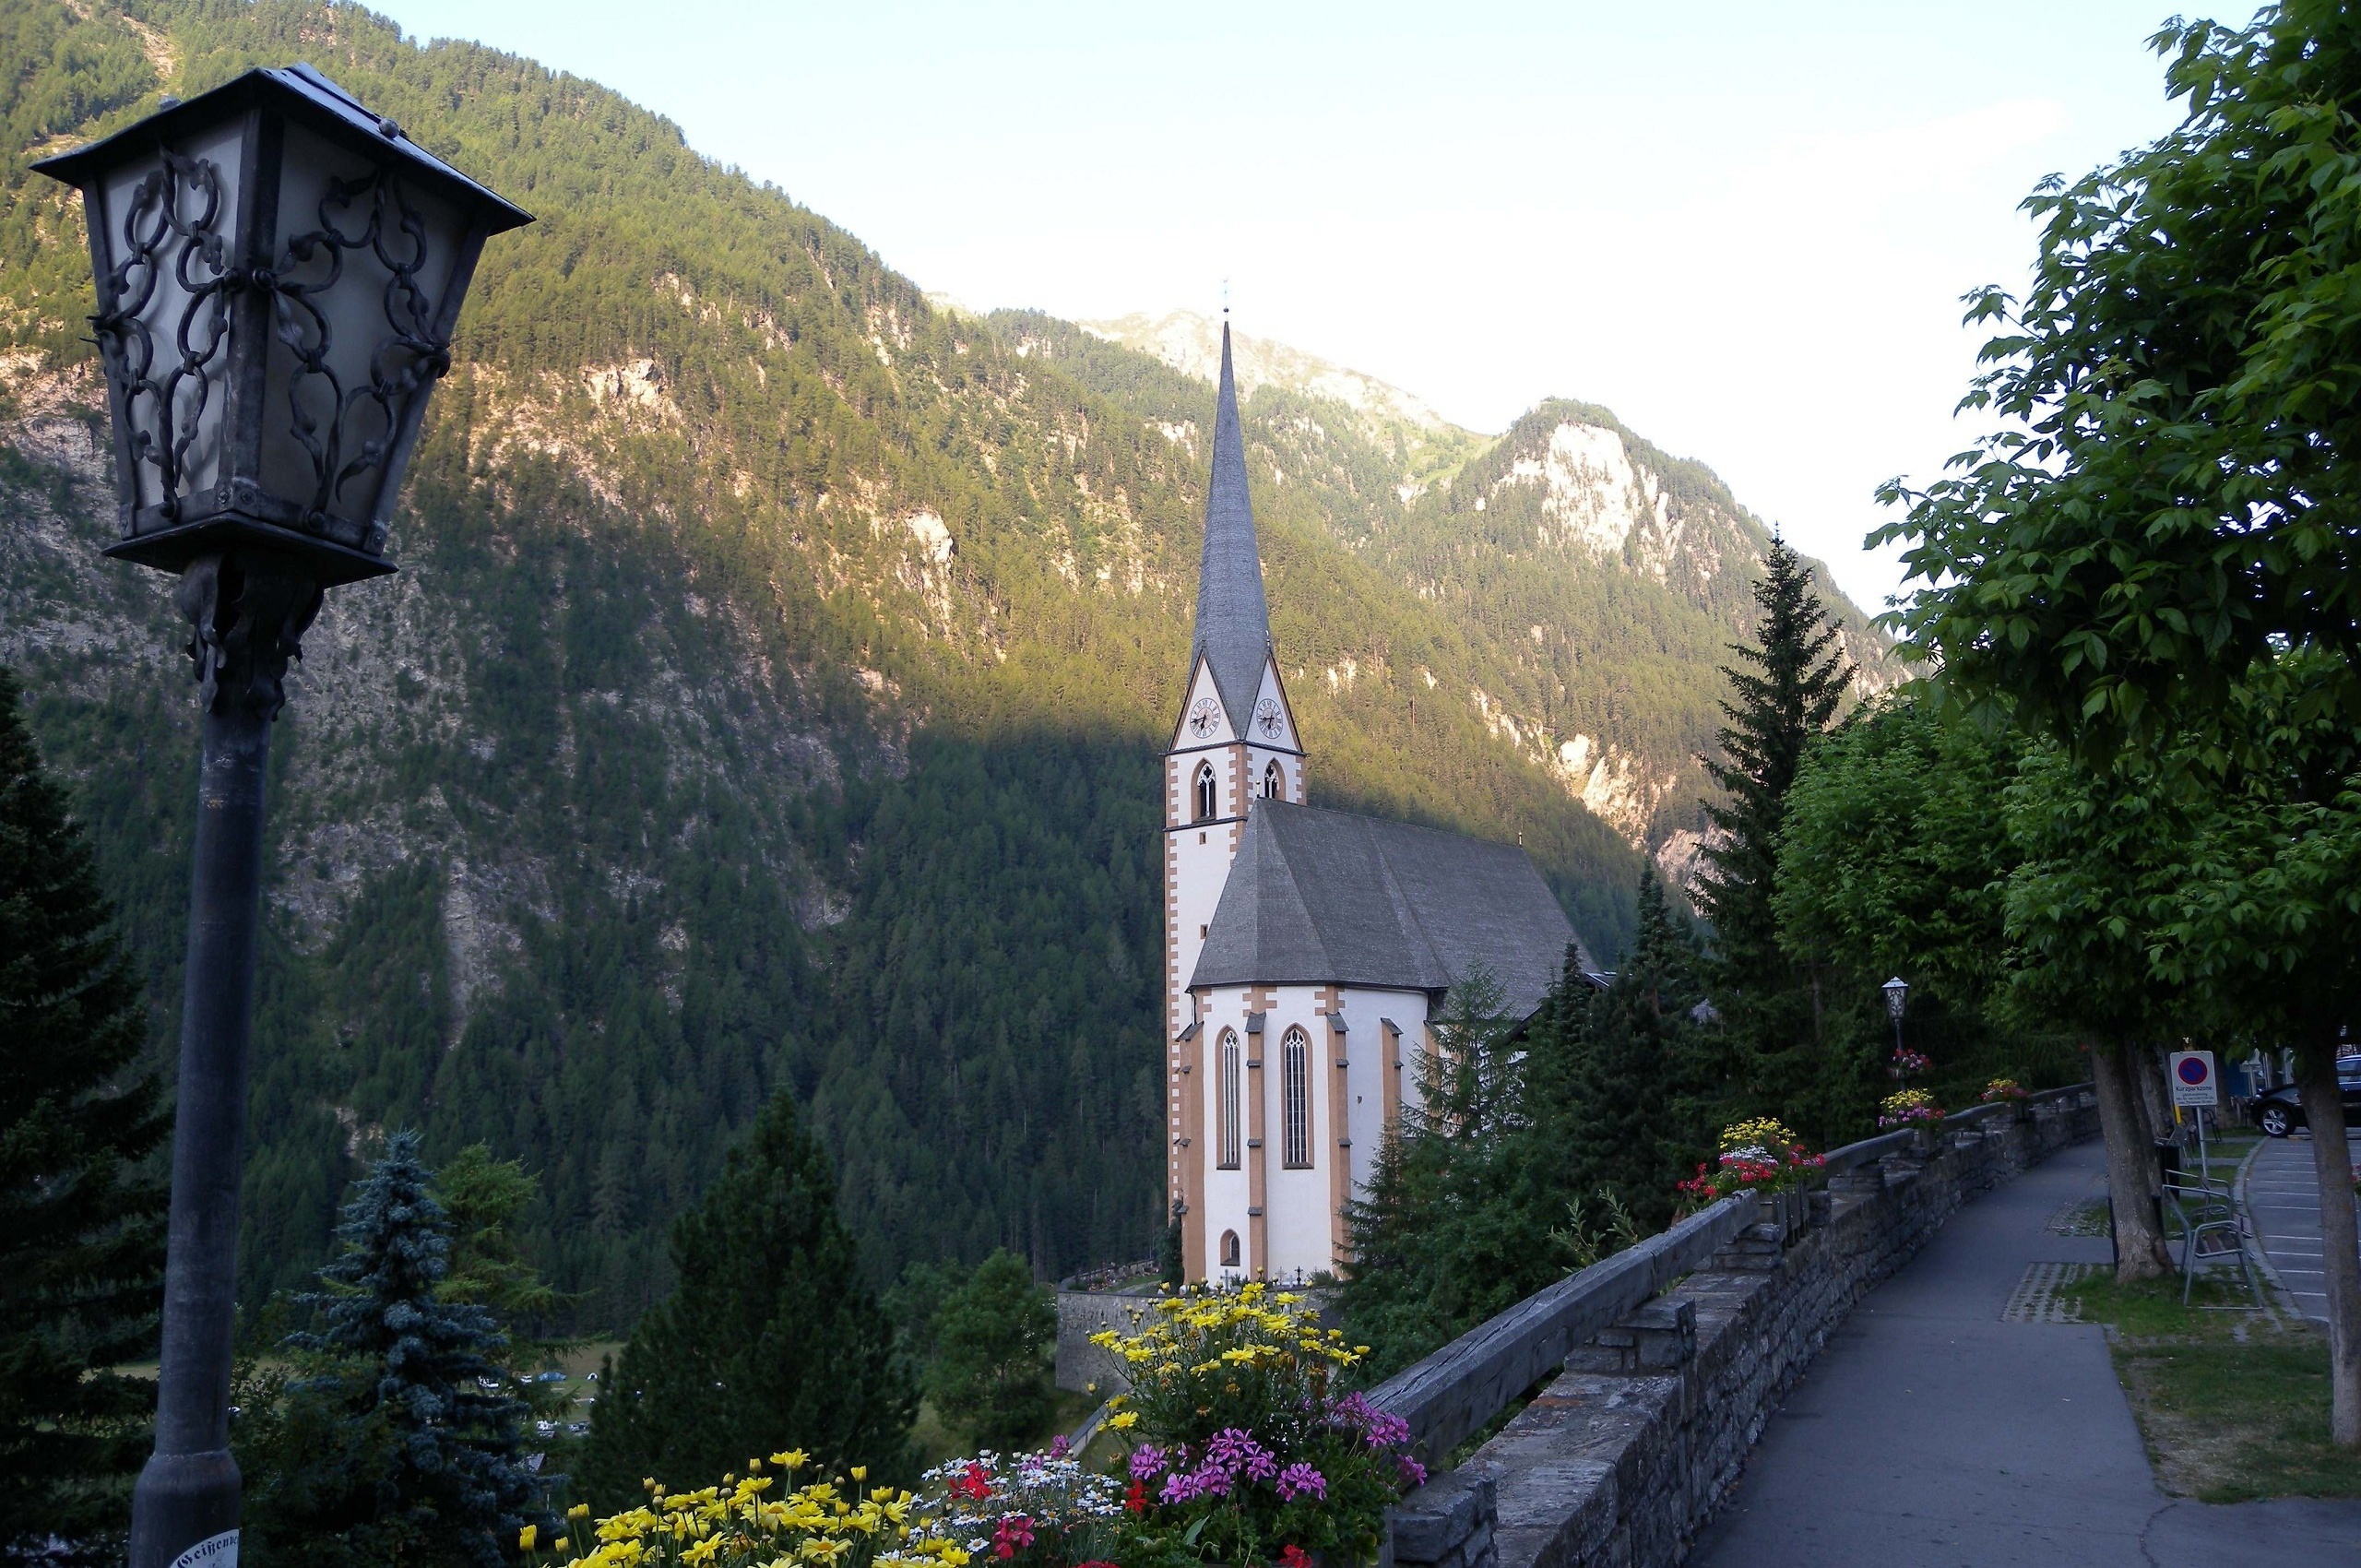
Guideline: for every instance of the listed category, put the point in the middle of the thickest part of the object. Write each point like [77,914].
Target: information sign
[2194,1080]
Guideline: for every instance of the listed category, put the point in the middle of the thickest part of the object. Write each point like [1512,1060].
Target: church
[1305,949]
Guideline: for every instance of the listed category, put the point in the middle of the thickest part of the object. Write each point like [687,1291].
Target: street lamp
[278,270]
[1895,991]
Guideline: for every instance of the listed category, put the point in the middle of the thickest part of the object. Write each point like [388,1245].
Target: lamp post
[278,270]
[1895,991]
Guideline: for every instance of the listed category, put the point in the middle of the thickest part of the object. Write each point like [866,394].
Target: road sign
[2194,1081]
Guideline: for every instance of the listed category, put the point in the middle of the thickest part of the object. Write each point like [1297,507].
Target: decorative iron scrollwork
[171,227]
[247,611]
[411,355]
[179,202]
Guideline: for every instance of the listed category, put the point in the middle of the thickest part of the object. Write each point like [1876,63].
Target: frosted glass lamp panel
[348,378]
[185,327]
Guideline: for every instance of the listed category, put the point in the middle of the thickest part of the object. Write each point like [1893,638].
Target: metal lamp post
[278,270]
[1895,991]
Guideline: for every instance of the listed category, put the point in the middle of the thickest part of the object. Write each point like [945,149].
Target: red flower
[1136,1499]
[1015,1533]
[1294,1556]
[976,1485]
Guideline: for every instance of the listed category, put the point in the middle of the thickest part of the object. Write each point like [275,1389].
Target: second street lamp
[279,272]
[1895,991]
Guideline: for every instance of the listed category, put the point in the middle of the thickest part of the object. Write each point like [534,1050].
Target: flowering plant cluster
[1911,1107]
[740,1525]
[1758,1155]
[1909,1063]
[1245,1452]
[1032,1509]
[2000,1089]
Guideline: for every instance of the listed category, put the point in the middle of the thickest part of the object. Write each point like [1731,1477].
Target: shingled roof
[1322,897]
[1233,620]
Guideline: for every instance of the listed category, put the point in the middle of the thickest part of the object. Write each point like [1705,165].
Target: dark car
[2281,1110]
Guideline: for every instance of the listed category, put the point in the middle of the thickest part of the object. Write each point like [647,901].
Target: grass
[937,1442]
[2233,1403]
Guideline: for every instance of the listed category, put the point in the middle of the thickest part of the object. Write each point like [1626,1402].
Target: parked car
[2281,1110]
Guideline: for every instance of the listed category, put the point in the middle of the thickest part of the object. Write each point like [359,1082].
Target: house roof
[1233,630]
[1323,897]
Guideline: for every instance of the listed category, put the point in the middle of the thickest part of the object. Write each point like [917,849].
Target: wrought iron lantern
[279,271]
[1895,991]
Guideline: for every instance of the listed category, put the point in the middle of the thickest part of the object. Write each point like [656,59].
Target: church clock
[1266,714]
[1204,716]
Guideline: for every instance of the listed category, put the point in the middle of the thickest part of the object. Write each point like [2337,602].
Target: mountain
[770,694]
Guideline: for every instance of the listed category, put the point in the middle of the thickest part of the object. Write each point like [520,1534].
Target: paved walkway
[1932,1435]
[2282,1197]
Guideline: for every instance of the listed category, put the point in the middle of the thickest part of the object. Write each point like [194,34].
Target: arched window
[1204,791]
[1295,1066]
[1227,1066]
[1274,782]
[1229,1249]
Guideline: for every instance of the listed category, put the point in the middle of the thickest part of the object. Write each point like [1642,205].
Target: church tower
[1235,743]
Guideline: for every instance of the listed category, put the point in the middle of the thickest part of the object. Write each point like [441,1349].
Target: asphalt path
[1931,1434]
[2282,1198]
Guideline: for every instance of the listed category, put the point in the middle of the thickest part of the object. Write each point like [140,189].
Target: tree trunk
[2155,1098]
[2340,1256]
[2130,1167]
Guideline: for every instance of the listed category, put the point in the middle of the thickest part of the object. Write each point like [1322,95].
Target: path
[1932,1435]
[2283,1195]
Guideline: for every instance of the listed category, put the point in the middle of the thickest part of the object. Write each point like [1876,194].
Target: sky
[1745,227]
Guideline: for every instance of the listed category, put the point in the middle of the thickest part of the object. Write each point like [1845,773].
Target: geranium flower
[1300,1479]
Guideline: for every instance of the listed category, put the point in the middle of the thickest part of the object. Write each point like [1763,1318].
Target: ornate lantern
[1895,991]
[279,271]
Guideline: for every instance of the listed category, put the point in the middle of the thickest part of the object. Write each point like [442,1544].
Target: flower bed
[1911,1107]
[2003,1090]
[1757,1155]
[1244,1453]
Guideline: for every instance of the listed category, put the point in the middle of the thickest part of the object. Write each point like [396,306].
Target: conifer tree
[1637,1072]
[453,1485]
[770,1341]
[1783,693]
[81,1236]
[992,1338]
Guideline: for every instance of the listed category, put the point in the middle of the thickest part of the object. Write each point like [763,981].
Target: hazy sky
[1743,227]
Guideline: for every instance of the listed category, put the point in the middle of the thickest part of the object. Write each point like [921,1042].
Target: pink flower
[1015,1533]
[1148,1461]
[1301,1480]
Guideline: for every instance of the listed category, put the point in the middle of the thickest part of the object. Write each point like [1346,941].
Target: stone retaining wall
[1082,1314]
[1625,1454]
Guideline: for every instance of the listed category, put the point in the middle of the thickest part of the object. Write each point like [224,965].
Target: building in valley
[1305,949]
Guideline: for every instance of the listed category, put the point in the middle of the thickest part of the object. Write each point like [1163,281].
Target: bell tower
[1234,742]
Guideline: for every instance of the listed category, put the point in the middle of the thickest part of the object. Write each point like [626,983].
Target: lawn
[2233,1403]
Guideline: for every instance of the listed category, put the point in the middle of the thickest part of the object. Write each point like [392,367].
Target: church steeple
[1233,619]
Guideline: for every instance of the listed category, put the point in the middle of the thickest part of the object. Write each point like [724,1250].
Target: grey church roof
[1320,898]
[1233,621]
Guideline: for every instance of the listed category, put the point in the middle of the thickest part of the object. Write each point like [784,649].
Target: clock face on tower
[1266,714]
[1204,716]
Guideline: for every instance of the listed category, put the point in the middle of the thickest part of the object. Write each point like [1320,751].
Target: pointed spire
[1233,620]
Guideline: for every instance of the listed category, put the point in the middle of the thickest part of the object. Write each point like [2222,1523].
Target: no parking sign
[2194,1080]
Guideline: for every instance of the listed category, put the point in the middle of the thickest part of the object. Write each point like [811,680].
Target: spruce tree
[1783,693]
[992,1338]
[1637,1073]
[81,1206]
[454,1488]
[770,1340]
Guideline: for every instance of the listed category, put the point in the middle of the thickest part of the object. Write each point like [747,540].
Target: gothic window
[1274,783]
[1229,1249]
[1295,1065]
[1204,791]
[1228,1091]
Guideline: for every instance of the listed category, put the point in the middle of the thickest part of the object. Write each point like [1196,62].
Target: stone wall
[1082,1314]
[1628,1451]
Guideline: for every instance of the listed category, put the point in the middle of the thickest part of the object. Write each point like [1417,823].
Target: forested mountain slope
[770,693]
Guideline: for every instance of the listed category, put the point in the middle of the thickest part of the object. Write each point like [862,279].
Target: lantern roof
[302,92]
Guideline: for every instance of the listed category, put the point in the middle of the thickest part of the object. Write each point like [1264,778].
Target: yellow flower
[1124,1422]
[527,1537]
[861,1472]
[559,1544]
[793,1460]
[579,1511]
